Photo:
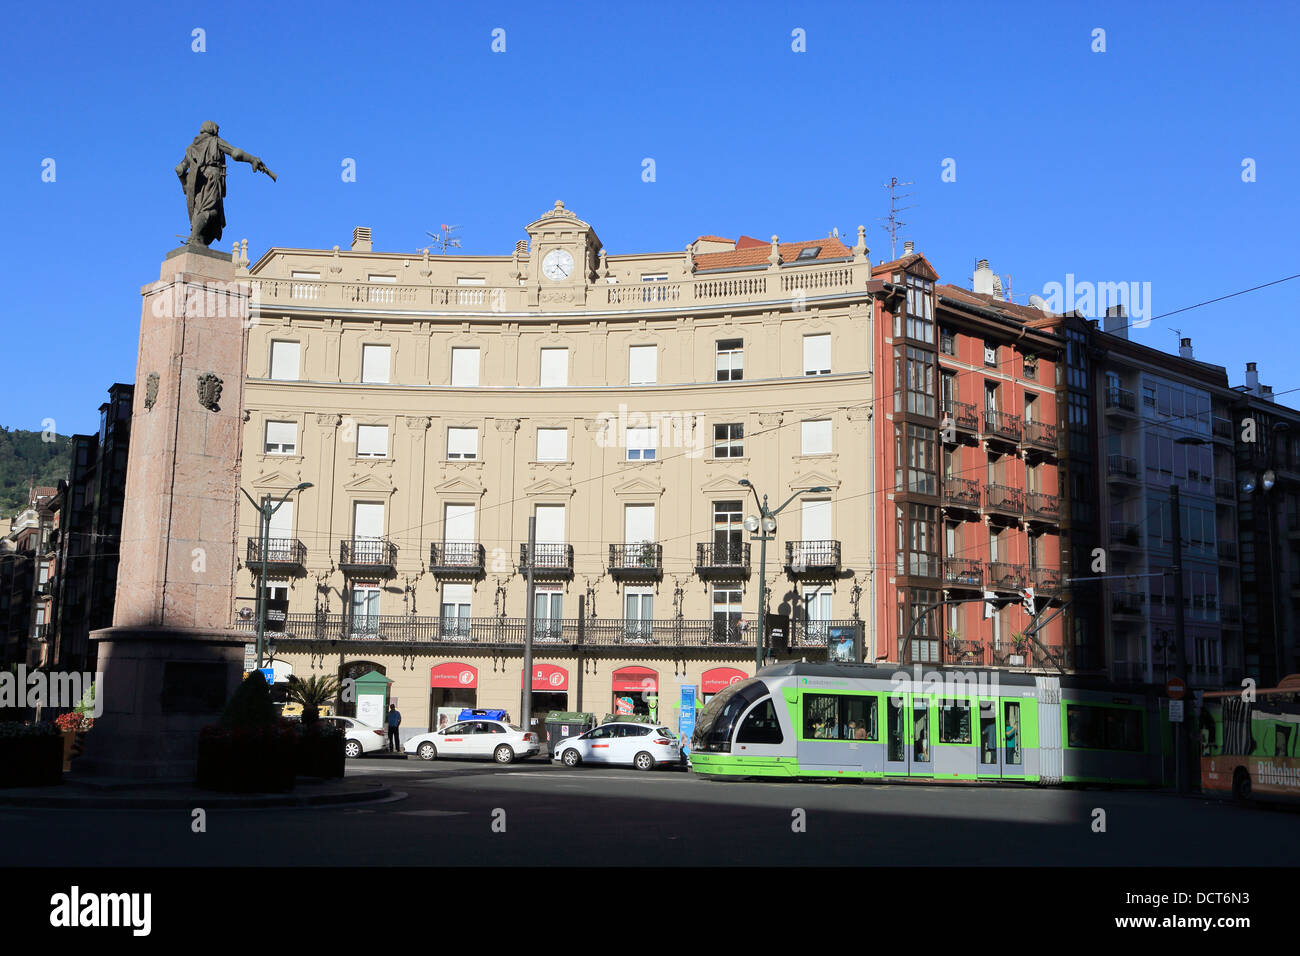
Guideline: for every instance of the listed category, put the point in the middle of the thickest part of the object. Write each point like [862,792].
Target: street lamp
[765,522]
[1262,483]
[265,510]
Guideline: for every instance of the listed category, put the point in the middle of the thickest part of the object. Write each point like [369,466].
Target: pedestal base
[160,685]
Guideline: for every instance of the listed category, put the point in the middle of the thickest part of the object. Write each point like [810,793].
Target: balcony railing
[452,558]
[512,631]
[819,633]
[961,493]
[1041,435]
[963,572]
[1127,602]
[962,415]
[641,560]
[808,556]
[1230,614]
[1002,425]
[1121,466]
[1125,534]
[361,555]
[1223,488]
[1004,499]
[1222,428]
[1046,580]
[1006,577]
[721,560]
[286,553]
[969,653]
[1227,551]
[549,560]
[1043,507]
[1120,400]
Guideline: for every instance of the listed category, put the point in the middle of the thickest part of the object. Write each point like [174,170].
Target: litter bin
[562,724]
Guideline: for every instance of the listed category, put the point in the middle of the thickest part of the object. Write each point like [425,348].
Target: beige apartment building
[437,403]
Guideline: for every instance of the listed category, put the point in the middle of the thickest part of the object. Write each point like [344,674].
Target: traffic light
[1028,600]
[990,608]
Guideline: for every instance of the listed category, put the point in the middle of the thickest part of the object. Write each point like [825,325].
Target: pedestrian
[394,721]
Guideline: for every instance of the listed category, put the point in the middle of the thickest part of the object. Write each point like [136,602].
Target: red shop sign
[716,680]
[636,679]
[454,674]
[550,677]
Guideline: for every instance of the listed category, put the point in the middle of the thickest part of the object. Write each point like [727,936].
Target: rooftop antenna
[894,223]
[444,238]
[1178,333]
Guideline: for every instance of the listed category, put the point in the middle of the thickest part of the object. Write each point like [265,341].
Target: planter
[251,762]
[31,761]
[69,744]
[321,755]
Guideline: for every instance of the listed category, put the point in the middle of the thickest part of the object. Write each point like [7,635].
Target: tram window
[839,717]
[1011,723]
[921,743]
[988,734]
[1123,729]
[894,708]
[954,722]
[1281,738]
[1103,728]
[761,726]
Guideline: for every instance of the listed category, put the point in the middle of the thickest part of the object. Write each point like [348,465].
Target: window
[458,525]
[921,444]
[920,309]
[726,613]
[925,643]
[954,722]
[808,252]
[839,717]
[552,444]
[1031,367]
[555,368]
[727,528]
[281,438]
[920,382]
[548,613]
[817,437]
[376,361]
[991,354]
[921,732]
[642,365]
[923,542]
[462,443]
[464,368]
[729,441]
[947,341]
[456,610]
[1011,732]
[817,354]
[761,726]
[372,441]
[1103,728]
[365,609]
[641,444]
[284,360]
[730,360]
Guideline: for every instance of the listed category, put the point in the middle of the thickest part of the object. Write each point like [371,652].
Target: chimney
[361,239]
[1185,348]
[521,247]
[1252,378]
[1117,320]
[909,247]
[985,281]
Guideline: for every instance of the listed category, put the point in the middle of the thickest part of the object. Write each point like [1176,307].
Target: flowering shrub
[73,720]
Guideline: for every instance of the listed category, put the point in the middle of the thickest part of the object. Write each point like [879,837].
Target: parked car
[503,742]
[358,738]
[644,746]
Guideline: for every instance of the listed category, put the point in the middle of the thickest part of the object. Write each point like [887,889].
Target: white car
[503,742]
[358,738]
[644,746]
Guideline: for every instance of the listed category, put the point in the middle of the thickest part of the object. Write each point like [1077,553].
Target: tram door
[909,735]
[1001,752]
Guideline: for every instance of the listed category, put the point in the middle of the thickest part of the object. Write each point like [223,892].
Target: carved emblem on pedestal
[150,391]
[210,391]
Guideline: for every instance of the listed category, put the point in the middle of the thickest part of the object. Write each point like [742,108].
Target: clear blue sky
[1115,166]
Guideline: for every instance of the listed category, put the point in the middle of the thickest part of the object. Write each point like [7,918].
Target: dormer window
[810,252]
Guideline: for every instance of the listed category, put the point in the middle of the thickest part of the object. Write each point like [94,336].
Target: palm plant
[312,693]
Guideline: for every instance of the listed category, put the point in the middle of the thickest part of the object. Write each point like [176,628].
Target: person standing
[394,722]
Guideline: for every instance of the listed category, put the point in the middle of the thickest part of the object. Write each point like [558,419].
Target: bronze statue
[203,176]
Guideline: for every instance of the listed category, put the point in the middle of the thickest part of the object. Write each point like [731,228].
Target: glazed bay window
[920,310]
[923,541]
[464,367]
[729,441]
[914,458]
[552,444]
[376,364]
[372,441]
[816,437]
[817,354]
[642,444]
[920,382]
[923,622]
[462,444]
[284,360]
[281,438]
[730,360]
[555,368]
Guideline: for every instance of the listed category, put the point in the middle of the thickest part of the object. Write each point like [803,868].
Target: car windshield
[665,732]
[718,720]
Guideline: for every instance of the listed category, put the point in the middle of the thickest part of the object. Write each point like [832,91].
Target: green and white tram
[813,720]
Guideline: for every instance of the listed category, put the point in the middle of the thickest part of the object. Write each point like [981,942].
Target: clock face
[557,265]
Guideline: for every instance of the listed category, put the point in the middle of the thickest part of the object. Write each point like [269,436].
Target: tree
[312,693]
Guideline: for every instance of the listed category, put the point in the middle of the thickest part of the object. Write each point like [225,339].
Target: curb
[209,800]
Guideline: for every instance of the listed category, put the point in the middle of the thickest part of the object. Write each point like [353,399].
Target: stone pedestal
[169,662]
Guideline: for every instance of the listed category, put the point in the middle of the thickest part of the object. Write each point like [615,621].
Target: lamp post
[1262,484]
[766,522]
[265,510]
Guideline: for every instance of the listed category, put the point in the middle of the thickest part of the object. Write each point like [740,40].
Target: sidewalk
[101,793]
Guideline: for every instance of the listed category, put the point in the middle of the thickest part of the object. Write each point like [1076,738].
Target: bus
[858,721]
[1248,742]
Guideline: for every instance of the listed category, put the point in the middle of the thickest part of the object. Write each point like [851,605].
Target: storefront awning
[716,680]
[548,677]
[454,674]
[636,679]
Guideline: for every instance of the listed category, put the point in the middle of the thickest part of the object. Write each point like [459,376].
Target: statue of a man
[203,176]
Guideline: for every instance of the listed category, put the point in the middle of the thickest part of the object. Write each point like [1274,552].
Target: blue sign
[268,673]
[686,721]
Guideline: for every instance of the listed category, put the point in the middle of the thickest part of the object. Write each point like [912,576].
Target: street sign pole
[526,720]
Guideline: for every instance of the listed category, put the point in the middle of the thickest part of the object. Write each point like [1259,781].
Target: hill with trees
[24,455]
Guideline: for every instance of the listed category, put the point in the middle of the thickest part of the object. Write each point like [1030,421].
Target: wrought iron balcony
[958,651]
[638,561]
[1003,426]
[1046,580]
[804,557]
[456,559]
[1041,436]
[1127,602]
[961,493]
[1004,500]
[1121,467]
[962,415]
[1043,507]
[1228,551]
[1223,488]
[1125,534]
[283,555]
[722,560]
[819,633]
[1222,429]
[1006,577]
[368,556]
[1120,400]
[963,572]
[549,560]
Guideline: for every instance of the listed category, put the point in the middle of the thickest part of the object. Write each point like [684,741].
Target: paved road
[453,811]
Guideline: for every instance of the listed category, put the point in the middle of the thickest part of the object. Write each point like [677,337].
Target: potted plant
[252,749]
[73,726]
[320,751]
[312,693]
[31,755]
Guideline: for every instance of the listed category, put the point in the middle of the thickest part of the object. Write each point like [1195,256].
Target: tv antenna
[894,223]
[444,238]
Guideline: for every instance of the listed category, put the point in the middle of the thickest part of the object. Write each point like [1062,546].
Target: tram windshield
[714,730]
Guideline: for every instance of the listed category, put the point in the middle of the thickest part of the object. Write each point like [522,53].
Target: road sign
[269,674]
[1176,688]
[1175,711]
[250,657]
